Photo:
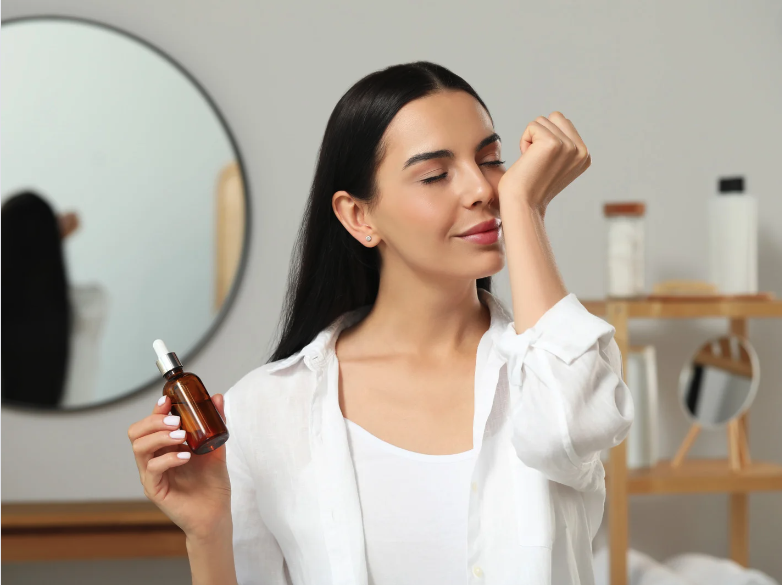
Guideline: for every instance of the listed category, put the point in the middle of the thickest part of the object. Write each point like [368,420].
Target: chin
[490,262]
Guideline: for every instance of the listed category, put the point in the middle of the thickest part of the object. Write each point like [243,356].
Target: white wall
[668,97]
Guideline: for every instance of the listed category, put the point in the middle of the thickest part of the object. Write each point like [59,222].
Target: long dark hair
[330,272]
[36,307]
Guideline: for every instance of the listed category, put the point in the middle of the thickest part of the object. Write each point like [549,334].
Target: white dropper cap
[160,348]
[166,360]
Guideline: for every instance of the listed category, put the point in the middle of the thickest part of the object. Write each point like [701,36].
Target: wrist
[217,535]
[520,207]
[212,558]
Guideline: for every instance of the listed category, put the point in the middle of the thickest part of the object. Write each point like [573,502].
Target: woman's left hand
[552,156]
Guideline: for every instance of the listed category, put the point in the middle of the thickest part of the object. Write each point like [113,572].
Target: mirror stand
[738,447]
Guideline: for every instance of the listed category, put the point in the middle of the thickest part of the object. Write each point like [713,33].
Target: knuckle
[557,114]
[138,449]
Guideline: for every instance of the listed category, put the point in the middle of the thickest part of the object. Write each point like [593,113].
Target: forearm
[212,559]
[536,284]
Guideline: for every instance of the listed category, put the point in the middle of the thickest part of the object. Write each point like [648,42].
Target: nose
[478,190]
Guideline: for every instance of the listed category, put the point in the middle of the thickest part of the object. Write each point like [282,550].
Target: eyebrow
[449,153]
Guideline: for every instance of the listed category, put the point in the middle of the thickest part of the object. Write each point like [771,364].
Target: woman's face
[425,202]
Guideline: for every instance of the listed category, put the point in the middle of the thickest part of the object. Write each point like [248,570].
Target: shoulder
[268,387]
[267,412]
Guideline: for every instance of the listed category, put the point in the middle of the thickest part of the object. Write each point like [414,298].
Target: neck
[416,317]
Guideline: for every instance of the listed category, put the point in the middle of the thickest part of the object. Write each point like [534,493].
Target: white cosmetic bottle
[733,238]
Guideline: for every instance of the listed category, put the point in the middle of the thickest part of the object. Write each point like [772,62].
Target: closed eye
[493,163]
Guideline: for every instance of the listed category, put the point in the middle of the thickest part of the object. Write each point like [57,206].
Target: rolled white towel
[683,569]
[641,570]
[699,568]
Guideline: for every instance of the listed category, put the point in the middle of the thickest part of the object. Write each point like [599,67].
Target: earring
[369,238]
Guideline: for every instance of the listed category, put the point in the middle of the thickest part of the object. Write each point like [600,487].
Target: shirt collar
[316,353]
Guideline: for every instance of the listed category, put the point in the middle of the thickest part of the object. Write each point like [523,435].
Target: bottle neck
[174,372]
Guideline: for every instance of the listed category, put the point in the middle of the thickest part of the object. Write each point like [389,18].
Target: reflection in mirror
[124,213]
[720,381]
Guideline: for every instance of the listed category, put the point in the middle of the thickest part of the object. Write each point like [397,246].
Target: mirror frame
[230,297]
[753,390]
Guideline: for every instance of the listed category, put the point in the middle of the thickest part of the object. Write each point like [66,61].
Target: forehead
[449,119]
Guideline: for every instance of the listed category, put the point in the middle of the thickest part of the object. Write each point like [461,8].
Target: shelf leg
[739,516]
[739,529]
[740,327]
[618,532]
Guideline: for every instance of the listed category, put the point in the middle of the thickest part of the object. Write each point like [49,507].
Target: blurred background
[162,154]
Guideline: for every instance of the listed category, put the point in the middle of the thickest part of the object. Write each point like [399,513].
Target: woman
[406,430]
[36,306]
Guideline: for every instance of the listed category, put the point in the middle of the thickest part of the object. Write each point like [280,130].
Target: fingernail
[183,455]
[178,434]
[161,400]
[171,420]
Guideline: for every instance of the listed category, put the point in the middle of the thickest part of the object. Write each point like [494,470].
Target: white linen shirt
[547,402]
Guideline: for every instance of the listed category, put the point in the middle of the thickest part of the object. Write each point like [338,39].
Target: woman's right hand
[194,492]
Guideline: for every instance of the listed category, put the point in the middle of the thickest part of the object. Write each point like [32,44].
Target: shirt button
[474,487]
[477,571]
[334,515]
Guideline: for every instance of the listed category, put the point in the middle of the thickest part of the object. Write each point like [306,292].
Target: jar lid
[632,208]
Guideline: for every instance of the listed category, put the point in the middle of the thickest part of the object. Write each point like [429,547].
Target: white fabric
[90,304]
[684,569]
[414,509]
[547,401]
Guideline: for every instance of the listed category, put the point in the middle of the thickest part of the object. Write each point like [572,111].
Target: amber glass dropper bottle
[204,428]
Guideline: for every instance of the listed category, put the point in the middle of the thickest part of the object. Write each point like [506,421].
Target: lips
[484,226]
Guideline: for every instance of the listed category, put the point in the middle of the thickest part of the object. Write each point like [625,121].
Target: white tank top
[414,508]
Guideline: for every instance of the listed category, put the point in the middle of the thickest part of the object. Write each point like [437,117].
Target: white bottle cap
[166,360]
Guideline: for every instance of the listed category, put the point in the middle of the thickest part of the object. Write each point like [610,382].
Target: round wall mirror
[720,381]
[125,213]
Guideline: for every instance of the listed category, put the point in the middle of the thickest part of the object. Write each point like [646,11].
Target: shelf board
[642,308]
[49,531]
[121,513]
[702,476]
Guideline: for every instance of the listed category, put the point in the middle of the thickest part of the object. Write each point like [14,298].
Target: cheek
[426,217]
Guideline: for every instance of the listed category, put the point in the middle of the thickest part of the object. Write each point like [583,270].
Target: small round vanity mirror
[125,214]
[720,381]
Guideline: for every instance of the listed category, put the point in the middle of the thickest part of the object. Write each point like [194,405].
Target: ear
[353,214]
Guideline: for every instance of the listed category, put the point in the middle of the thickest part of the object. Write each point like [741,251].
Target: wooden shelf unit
[694,476]
[703,476]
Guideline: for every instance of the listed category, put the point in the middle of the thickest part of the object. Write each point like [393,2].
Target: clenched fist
[552,156]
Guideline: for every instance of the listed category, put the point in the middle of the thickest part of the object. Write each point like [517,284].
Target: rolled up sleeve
[568,399]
